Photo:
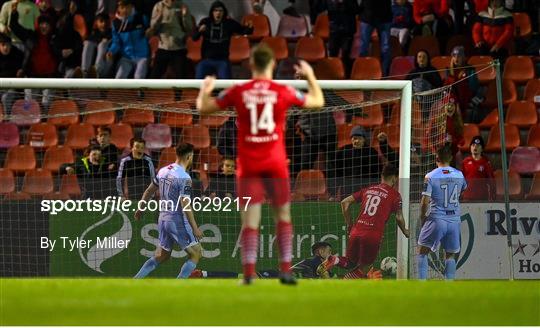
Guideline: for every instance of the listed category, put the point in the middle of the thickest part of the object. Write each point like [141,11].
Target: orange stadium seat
[509,94]
[123,96]
[366,68]
[322,27]
[329,69]
[99,118]
[428,43]
[490,120]
[486,74]
[525,160]
[519,69]
[121,134]
[310,48]
[532,89]
[67,111]
[522,113]
[138,116]
[344,134]
[279,45]
[534,192]
[24,113]
[158,96]
[56,156]
[261,26]
[239,49]
[69,185]
[38,182]
[494,138]
[42,135]
[469,131]
[441,63]
[209,160]
[533,139]
[79,135]
[292,28]
[371,116]
[194,50]
[522,25]
[401,66]
[166,157]
[213,121]
[157,136]
[20,158]
[7,181]
[514,185]
[197,135]
[9,135]
[310,184]
[175,120]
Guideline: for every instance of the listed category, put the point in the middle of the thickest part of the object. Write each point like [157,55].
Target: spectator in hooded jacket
[217,30]
[129,41]
[171,21]
[11,61]
[95,49]
[493,32]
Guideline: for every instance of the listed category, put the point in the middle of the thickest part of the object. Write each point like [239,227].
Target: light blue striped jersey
[444,186]
[174,184]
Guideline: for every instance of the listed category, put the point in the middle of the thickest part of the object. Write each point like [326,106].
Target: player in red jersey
[261,106]
[378,203]
[478,173]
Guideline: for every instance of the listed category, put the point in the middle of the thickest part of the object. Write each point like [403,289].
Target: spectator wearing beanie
[478,173]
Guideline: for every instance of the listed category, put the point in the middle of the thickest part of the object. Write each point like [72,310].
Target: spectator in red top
[480,5]
[446,128]
[428,12]
[478,172]
[43,62]
[494,31]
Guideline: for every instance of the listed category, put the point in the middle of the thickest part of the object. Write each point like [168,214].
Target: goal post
[403,88]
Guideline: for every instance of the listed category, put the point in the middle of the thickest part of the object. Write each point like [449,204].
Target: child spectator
[401,21]
[223,184]
[91,173]
[95,49]
[129,40]
[171,21]
[424,75]
[478,173]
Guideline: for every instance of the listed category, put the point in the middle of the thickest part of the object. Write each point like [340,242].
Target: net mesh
[53,129]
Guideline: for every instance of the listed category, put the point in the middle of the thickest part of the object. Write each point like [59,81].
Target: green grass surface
[223,302]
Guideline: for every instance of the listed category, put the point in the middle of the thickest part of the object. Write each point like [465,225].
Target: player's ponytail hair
[261,56]
[444,154]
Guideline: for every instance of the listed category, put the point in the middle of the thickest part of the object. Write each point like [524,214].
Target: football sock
[147,267]
[249,241]
[355,274]
[187,269]
[450,269]
[422,263]
[284,231]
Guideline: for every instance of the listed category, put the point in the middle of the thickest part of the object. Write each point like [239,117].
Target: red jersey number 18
[371,205]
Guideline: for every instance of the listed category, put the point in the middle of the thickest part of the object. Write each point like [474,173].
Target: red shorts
[363,250]
[257,181]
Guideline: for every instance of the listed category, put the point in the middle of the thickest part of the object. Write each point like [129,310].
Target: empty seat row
[521,113]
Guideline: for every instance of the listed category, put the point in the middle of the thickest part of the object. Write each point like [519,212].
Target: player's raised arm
[345,209]
[147,195]
[314,96]
[206,104]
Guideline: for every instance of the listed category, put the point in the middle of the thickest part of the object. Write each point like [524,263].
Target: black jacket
[217,36]
[67,38]
[10,64]
[376,12]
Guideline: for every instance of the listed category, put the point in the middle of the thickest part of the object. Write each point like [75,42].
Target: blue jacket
[128,36]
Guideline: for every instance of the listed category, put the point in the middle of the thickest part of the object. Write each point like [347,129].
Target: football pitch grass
[266,302]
